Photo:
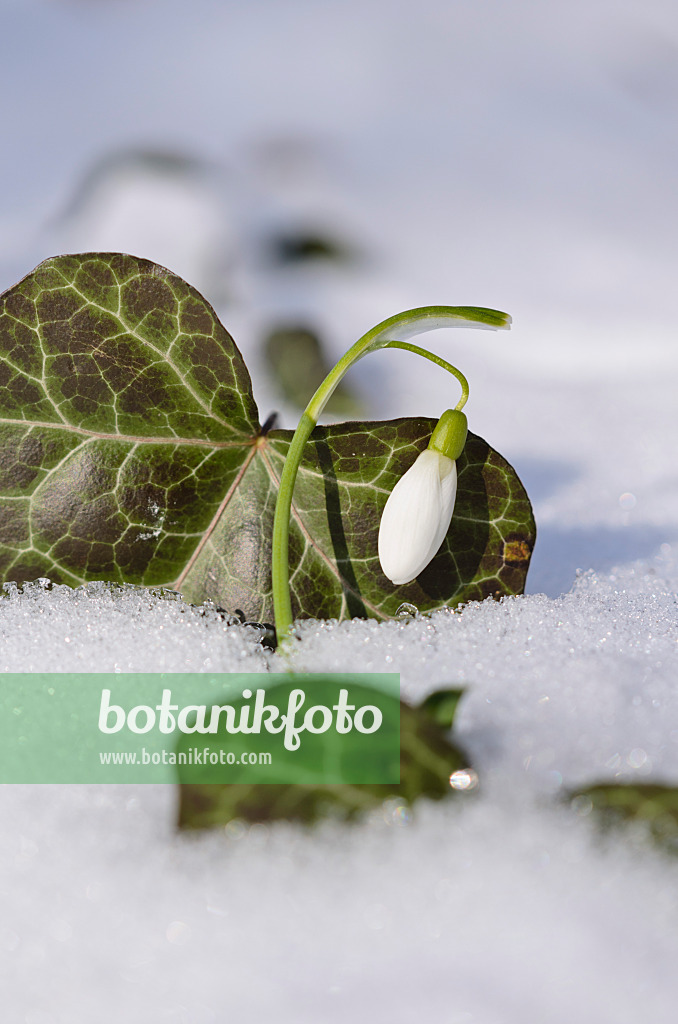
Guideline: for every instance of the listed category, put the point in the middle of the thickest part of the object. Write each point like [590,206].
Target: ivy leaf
[650,807]
[441,705]
[130,451]
[428,759]
[298,362]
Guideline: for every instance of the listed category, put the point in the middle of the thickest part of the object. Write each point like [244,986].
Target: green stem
[424,352]
[390,333]
[282,604]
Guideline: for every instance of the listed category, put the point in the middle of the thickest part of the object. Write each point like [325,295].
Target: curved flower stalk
[392,333]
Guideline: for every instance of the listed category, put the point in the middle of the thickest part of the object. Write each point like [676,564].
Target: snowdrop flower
[419,509]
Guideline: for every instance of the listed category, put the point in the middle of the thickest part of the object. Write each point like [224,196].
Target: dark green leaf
[130,451]
[329,757]
[427,760]
[650,807]
[298,362]
[442,706]
[302,247]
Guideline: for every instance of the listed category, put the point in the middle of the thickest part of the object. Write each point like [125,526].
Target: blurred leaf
[130,450]
[331,757]
[307,247]
[427,760]
[297,361]
[442,706]
[650,807]
[163,163]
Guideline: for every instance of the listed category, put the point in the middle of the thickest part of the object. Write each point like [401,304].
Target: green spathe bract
[449,434]
[132,452]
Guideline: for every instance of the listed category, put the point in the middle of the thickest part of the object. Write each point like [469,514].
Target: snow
[502,907]
[518,156]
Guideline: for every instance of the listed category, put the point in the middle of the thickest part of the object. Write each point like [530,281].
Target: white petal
[417,516]
[448,487]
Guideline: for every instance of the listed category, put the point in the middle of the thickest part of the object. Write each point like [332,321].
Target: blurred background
[314,167]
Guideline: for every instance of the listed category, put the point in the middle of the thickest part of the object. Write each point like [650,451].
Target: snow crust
[520,156]
[501,907]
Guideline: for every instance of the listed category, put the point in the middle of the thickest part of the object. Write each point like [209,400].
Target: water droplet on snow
[637,757]
[396,812]
[235,829]
[406,610]
[464,779]
[582,805]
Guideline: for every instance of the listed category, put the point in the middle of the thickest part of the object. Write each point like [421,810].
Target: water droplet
[464,779]
[235,829]
[396,812]
[582,805]
[406,611]
[637,757]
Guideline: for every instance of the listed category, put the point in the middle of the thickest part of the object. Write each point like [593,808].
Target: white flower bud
[417,516]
